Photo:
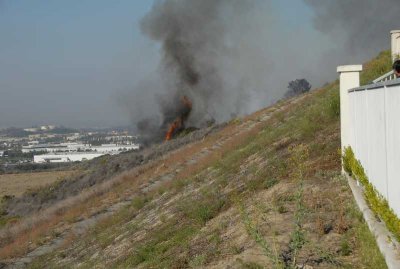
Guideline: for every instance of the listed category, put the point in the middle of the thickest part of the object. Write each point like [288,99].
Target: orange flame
[179,122]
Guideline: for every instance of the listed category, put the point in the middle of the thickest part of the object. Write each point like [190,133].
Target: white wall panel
[352,119]
[393,146]
[361,128]
[376,143]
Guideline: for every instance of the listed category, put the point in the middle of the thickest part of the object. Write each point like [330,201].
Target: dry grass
[188,224]
[195,223]
[29,233]
[17,184]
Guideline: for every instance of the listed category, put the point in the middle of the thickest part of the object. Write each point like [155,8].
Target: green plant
[155,253]
[299,156]
[255,233]
[199,260]
[282,209]
[139,202]
[333,103]
[203,208]
[261,182]
[345,247]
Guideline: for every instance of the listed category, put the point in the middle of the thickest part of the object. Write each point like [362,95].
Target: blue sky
[64,61]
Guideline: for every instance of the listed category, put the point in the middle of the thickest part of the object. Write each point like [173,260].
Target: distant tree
[297,87]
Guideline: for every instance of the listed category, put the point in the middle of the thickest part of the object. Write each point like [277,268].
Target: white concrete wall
[395,39]
[374,130]
[349,78]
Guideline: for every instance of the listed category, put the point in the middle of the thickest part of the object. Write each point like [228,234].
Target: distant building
[78,147]
[31,130]
[63,147]
[1,153]
[65,157]
[73,137]
[112,148]
[47,127]
[75,152]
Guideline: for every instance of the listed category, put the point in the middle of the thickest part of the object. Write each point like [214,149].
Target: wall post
[349,76]
[395,37]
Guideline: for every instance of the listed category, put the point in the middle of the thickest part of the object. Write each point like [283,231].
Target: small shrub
[254,232]
[345,247]
[139,202]
[333,105]
[308,126]
[198,261]
[299,157]
[180,184]
[236,250]
[261,183]
[203,208]
[269,183]
[282,209]
[348,157]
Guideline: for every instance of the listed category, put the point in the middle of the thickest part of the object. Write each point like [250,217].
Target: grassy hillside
[264,192]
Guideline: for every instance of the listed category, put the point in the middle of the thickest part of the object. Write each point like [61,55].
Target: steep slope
[93,173]
[264,192]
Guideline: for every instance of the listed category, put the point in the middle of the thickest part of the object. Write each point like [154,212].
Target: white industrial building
[63,147]
[65,157]
[78,147]
[110,148]
[75,152]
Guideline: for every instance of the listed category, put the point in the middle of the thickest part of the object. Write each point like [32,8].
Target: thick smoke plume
[192,37]
[232,57]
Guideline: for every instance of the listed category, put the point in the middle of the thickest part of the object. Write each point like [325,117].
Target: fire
[176,125]
[179,122]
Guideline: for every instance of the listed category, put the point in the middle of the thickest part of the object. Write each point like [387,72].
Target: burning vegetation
[178,124]
[188,67]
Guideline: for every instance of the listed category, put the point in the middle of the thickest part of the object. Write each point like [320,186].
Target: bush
[139,202]
[334,104]
[297,87]
[203,208]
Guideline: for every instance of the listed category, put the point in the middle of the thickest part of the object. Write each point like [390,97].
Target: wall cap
[349,68]
[379,85]
[395,32]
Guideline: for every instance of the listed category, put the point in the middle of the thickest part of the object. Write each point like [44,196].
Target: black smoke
[191,34]
[232,57]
